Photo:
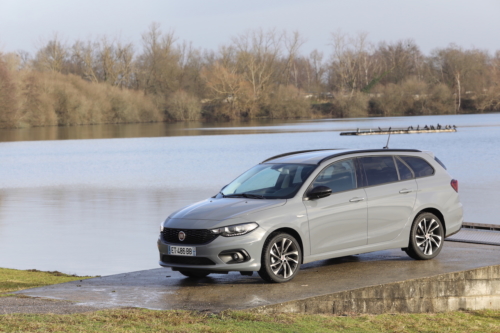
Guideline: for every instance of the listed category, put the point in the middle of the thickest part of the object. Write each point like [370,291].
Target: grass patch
[138,320]
[14,279]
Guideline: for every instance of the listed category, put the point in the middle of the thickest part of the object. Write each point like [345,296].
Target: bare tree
[227,87]
[258,56]
[85,58]
[292,45]
[318,70]
[159,61]
[9,111]
[457,67]
[400,60]
[350,61]
[25,59]
[52,56]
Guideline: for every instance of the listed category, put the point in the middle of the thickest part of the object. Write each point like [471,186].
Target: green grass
[137,320]
[140,320]
[14,280]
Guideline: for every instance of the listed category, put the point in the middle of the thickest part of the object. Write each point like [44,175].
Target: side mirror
[319,192]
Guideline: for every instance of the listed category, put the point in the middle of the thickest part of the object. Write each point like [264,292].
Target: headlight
[235,230]
[161,227]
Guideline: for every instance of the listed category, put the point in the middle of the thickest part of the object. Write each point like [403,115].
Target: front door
[338,221]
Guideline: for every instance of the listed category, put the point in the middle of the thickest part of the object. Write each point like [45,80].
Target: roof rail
[368,151]
[293,153]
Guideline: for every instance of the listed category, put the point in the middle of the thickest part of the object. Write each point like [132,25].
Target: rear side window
[379,170]
[420,167]
[404,172]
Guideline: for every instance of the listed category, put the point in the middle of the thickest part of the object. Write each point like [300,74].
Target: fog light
[234,256]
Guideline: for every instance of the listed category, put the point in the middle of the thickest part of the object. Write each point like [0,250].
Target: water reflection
[94,206]
[113,131]
[89,231]
[254,126]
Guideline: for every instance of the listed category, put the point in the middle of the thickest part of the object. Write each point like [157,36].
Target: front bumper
[252,243]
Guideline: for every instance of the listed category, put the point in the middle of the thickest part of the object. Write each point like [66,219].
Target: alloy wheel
[284,258]
[428,236]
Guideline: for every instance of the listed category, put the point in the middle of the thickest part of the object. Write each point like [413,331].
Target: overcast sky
[210,23]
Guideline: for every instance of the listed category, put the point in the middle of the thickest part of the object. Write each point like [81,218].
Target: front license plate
[182,251]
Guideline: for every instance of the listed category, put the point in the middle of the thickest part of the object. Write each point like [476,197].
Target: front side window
[379,169]
[420,167]
[269,181]
[339,176]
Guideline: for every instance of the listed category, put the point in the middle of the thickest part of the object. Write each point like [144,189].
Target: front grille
[193,236]
[186,260]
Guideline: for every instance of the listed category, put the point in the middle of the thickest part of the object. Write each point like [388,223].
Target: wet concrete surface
[163,289]
[12,304]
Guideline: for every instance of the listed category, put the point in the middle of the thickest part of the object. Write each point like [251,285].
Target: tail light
[454,184]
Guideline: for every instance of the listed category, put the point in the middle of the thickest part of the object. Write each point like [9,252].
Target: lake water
[89,199]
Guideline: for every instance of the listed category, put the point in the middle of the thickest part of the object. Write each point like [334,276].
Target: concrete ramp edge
[474,289]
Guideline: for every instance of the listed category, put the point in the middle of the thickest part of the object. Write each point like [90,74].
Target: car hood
[225,208]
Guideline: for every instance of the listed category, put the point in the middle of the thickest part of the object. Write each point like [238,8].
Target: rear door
[391,192]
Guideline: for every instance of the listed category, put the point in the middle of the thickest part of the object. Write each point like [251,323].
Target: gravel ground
[16,304]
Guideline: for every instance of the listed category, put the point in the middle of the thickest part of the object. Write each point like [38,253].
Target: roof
[319,155]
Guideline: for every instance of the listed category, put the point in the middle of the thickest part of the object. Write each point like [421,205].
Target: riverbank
[259,74]
[31,98]
[14,279]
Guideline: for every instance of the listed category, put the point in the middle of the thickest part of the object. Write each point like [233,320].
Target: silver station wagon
[303,206]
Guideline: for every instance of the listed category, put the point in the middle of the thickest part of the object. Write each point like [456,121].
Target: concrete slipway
[463,276]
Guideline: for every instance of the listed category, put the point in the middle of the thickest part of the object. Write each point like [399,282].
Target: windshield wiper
[252,196]
[244,195]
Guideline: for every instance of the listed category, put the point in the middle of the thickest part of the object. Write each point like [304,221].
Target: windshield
[269,181]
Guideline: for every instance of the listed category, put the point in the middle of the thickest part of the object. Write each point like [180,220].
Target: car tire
[426,237]
[194,275]
[281,258]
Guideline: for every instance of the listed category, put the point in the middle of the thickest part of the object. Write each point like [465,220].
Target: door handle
[356,199]
[404,191]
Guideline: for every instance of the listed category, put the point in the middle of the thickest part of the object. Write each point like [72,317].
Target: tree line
[256,74]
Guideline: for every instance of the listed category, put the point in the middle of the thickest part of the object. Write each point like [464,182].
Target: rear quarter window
[439,161]
[421,168]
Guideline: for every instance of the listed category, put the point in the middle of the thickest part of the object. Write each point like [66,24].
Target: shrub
[56,99]
[411,97]
[286,102]
[350,105]
[440,100]
[183,106]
